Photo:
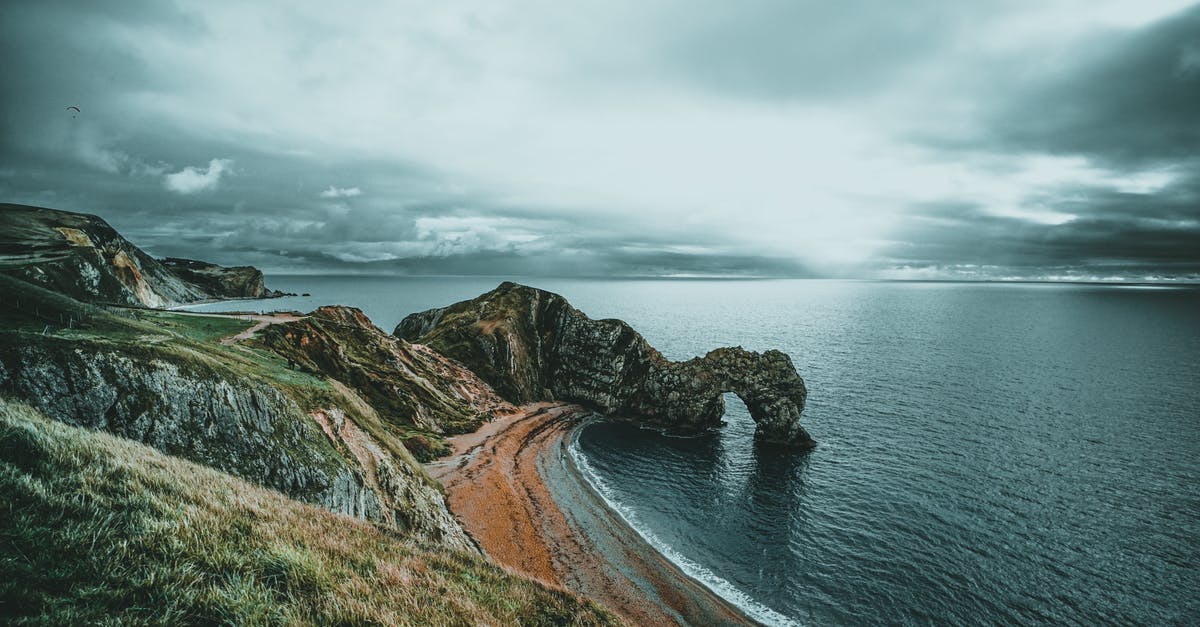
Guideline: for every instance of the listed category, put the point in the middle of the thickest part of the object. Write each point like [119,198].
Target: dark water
[988,453]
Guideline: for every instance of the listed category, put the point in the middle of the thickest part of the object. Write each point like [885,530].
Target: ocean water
[988,453]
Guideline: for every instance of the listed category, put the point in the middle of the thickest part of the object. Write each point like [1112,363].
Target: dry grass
[97,529]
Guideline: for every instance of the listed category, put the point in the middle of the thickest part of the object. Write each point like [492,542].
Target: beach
[515,489]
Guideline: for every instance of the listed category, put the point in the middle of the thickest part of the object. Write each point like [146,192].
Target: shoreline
[514,487]
[211,301]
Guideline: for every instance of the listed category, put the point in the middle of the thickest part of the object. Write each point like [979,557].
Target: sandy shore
[513,486]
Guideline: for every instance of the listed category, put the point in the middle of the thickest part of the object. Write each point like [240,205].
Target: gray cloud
[1129,235]
[805,50]
[1129,99]
[997,138]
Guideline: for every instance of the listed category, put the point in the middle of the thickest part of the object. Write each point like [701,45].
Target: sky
[993,139]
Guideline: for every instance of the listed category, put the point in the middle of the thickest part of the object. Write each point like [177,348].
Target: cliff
[531,345]
[83,257]
[222,282]
[102,530]
[418,392]
[164,379]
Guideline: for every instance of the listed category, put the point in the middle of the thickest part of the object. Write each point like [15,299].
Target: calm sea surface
[996,453]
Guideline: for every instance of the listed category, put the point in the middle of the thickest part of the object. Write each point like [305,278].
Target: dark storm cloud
[1132,235]
[1128,99]
[1125,104]
[767,138]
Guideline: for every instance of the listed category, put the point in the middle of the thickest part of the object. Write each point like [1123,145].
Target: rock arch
[532,345]
[688,394]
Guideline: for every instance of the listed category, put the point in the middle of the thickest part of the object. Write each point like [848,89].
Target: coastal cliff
[530,345]
[220,281]
[292,410]
[420,393]
[81,256]
[165,380]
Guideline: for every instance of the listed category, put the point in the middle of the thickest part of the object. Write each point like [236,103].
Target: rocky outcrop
[220,281]
[81,256]
[202,412]
[532,345]
[409,385]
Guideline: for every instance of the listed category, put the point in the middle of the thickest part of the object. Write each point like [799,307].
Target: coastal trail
[262,321]
[514,488]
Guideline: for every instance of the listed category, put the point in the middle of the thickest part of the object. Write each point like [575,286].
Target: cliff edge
[532,345]
[81,256]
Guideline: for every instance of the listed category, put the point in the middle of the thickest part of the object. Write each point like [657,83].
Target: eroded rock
[531,345]
[409,385]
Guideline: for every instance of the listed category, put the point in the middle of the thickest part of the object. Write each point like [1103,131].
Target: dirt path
[513,487]
[263,321]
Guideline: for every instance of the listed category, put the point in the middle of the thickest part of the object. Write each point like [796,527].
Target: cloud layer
[1058,138]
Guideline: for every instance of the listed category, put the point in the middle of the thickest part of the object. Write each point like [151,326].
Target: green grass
[199,328]
[97,529]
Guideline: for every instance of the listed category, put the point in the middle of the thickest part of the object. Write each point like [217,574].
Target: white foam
[719,586]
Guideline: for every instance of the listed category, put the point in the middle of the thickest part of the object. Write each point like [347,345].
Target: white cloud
[449,235]
[192,179]
[341,192]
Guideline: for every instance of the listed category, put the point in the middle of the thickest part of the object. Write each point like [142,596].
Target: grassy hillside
[31,316]
[97,529]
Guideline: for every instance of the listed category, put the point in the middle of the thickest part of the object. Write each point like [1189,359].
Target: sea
[988,453]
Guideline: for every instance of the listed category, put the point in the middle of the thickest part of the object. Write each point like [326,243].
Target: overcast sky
[863,138]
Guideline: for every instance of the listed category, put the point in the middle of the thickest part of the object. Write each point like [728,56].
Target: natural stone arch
[690,393]
[532,345]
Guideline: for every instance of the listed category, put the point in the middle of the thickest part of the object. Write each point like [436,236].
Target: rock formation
[222,282]
[83,257]
[532,345]
[409,385]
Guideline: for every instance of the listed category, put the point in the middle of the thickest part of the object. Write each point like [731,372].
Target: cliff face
[228,407]
[409,385]
[83,257]
[532,345]
[221,282]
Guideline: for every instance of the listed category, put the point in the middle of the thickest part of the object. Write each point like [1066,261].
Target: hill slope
[166,379]
[101,529]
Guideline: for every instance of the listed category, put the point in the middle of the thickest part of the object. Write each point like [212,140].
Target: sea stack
[532,345]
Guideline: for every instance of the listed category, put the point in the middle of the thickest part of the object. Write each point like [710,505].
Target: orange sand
[496,483]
